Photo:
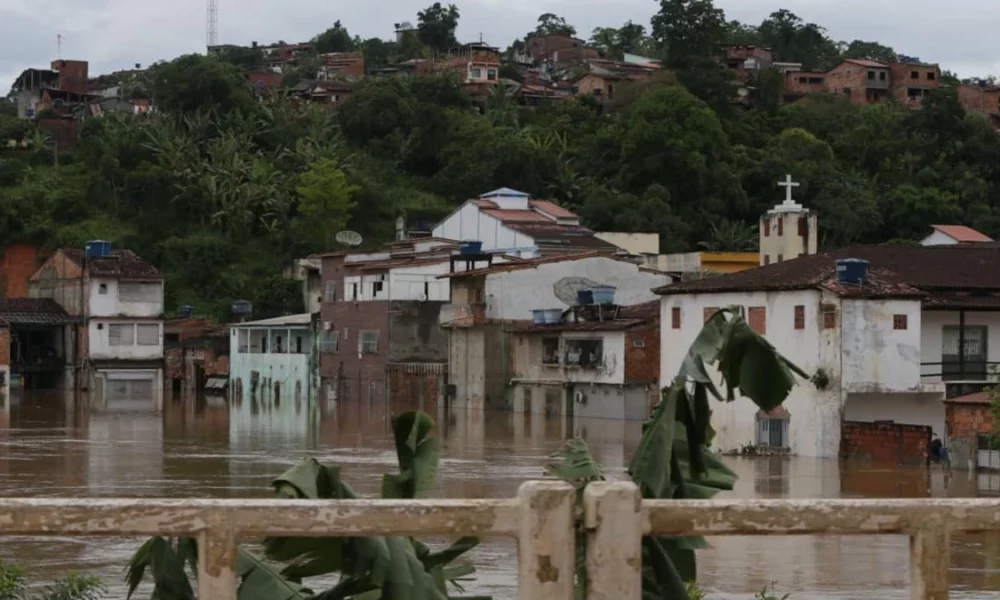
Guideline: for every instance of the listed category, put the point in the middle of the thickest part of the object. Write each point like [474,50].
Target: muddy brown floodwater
[47,449]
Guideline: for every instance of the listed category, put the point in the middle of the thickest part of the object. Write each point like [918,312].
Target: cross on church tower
[788,184]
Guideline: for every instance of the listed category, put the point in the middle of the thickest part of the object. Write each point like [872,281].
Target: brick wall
[963,421]
[4,346]
[414,390]
[885,443]
[642,362]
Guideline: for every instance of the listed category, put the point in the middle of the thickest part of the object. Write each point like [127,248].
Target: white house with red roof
[944,235]
[512,222]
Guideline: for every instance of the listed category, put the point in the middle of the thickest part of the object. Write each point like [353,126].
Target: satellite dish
[349,238]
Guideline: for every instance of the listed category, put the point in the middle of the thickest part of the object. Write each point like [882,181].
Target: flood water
[47,449]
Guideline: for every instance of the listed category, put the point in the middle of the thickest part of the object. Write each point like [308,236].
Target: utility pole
[59,46]
[212,28]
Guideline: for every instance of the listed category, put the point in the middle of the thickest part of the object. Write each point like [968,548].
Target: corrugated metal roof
[300,319]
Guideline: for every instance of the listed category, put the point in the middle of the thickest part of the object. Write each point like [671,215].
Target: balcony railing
[541,518]
[975,371]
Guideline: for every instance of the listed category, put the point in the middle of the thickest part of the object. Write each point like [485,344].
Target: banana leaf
[168,561]
[418,454]
[373,567]
[261,581]
[673,459]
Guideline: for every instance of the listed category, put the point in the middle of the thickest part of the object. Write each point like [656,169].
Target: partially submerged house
[890,332]
[116,300]
[595,361]
[271,362]
[487,303]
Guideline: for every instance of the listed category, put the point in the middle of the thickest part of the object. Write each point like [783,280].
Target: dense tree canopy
[223,190]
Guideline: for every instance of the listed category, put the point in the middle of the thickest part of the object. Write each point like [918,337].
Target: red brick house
[860,81]
[743,61]
[910,81]
[379,336]
[968,419]
[982,99]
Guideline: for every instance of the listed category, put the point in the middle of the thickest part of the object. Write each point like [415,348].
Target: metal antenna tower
[212,34]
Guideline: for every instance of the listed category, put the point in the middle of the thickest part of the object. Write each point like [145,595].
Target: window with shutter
[148,334]
[131,291]
[121,334]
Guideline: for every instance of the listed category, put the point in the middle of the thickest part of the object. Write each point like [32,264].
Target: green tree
[614,43]
[870,51]
[793,40]
[551,24]
[325,200]
[688,30]
[334,39]
[194,83]
[436,26]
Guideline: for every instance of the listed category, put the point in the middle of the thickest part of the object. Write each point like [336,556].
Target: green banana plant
[673,459]
[370,568]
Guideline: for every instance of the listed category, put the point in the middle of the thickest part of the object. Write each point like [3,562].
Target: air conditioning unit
[327,325]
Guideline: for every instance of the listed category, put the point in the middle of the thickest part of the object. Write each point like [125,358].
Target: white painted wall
[101,348]
[932,338]
[407,283]
[514,294]
[777,248]
[470,223]
[938,239]
[814,427]
[529,365]
[877,357]
[105,300]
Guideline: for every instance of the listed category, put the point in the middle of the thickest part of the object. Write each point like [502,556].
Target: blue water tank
[470,247]
[186,311]
[852,270]
[97,248]
[242,307]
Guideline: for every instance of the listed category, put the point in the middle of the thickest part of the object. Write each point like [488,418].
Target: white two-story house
[918,324]
[117,298]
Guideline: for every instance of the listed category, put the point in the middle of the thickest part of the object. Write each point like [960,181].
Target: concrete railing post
[612,516]
[216,565]
[546,541]
[929,562]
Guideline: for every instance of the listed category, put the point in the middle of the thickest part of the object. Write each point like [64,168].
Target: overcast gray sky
[115,34]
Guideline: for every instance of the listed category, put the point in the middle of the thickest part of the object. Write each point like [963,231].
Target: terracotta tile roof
[517,216]
[866,63]
[976,398]
[962,233]
[553,209]
[123,264]
[895,270]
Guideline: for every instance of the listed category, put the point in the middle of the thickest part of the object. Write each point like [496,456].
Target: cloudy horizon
[115,34]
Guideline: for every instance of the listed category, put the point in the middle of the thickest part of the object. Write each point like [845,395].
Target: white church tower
[788,230]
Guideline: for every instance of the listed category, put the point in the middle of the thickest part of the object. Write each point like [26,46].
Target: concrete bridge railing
[541,518]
